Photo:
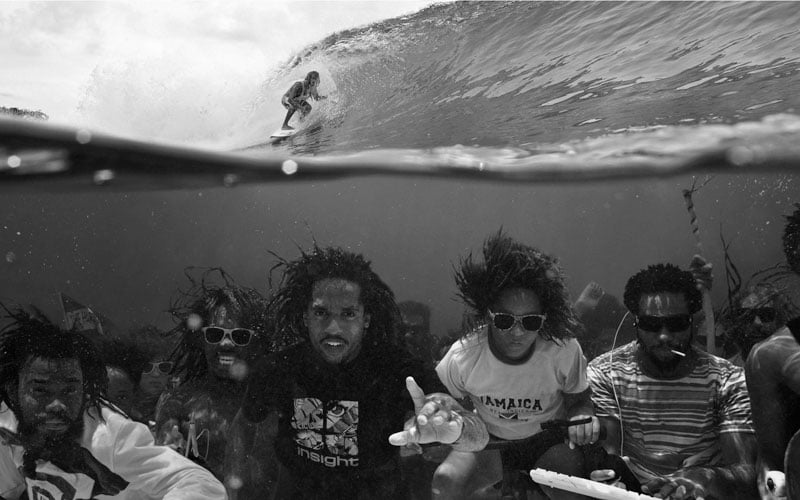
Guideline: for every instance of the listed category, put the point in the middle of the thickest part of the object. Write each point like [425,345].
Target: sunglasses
[505,321]
[674,324]
[748,315]
[239,336]
[164,367]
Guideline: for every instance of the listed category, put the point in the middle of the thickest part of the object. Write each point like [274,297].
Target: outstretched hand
[435,419]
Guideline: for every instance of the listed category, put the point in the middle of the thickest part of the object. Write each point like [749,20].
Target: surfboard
[283,134]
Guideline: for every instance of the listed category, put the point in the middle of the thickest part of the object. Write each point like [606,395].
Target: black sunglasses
[239,336]
[162,366]
[674,324]
[505,321]
[748,314]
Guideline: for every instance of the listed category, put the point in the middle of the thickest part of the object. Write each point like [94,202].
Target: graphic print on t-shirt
[512,408]
[58,485]
[326,431]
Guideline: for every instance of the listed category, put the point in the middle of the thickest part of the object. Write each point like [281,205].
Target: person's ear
[366,320]
[305,319]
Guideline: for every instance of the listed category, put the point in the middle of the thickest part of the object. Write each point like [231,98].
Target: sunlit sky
[51,52]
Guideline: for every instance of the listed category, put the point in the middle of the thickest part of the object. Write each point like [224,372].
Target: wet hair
[124,354]
[199,302]
[413,308]
[791,239]
[312,75]
[662,278]
[295,287]
[151,341]
[738,335]
[32,335]
[507,264]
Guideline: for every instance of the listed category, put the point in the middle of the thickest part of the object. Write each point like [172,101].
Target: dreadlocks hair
[510,264]
[199,302]
[32,335]
[735,321]
[662,278]
[294,290]
[791,239]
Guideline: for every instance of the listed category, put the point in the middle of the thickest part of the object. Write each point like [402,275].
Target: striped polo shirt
[670,424]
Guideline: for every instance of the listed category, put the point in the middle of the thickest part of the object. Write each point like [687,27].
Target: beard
[661,360]
[34,438]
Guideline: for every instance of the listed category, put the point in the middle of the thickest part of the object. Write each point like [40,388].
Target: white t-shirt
[514,400]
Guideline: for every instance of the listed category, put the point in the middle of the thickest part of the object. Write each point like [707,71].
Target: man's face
[515,343]
[663,325]
[51,398]
[755,320]
[154,380]
[336,320]
[121,388]
[224,353]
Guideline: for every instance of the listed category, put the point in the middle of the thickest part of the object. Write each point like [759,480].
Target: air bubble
[194,322]
[104,176]
[230,180]
[14,161]
[289,167]
[83,136]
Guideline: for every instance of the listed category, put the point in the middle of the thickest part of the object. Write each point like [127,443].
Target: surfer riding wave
[296,98]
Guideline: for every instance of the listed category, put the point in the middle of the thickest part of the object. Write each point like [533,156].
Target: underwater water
[525,86]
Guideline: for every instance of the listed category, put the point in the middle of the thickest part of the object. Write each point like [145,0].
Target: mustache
[53,415]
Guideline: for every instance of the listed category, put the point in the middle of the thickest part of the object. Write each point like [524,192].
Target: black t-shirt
[336,420]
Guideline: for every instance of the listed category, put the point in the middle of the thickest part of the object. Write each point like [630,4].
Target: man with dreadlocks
[756,312]
[520,367]
[773,381]
[221,331]
[61,439]
[343,388]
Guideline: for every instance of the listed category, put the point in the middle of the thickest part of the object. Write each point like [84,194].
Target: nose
[664,336]
[226,341]
[333,326]
[757,320]
[55,405]
[517,330]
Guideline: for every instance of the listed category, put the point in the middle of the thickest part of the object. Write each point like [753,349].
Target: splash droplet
[11,257]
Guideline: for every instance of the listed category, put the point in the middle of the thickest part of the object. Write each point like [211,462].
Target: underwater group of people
[330,389]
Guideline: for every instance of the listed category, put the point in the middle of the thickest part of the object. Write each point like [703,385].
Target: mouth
[333,343]
[226,360]
[55,425]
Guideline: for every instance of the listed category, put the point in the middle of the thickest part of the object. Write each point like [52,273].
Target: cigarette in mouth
[679,353]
